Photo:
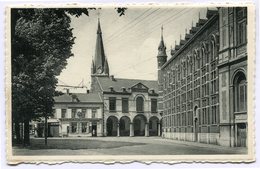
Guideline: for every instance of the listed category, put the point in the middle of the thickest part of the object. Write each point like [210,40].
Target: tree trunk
[17,132]
[45,129]
[26,132]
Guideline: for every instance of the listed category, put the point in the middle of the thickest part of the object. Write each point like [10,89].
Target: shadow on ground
[74,144]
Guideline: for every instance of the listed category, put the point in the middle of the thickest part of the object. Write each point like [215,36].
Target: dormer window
[111,88]
[75,98]
[123,89]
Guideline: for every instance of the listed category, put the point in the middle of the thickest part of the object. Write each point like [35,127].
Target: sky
[130,41]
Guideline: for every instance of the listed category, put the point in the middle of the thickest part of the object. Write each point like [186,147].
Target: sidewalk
[204,145]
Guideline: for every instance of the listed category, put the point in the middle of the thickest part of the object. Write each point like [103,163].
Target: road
[123,146]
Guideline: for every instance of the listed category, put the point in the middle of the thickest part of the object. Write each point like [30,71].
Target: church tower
[162,56]
[161,60]
[99,66]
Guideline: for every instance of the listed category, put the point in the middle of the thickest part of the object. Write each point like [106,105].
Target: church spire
[100,58]
[161,45]
[162,56]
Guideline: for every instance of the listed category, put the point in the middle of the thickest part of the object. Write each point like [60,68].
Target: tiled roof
[118,83]
[80,97]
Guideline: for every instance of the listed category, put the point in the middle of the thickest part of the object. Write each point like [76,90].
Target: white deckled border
[108,159]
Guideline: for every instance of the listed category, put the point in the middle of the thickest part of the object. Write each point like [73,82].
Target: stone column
[118,130]
[131,130]
[246,133]
[80,127]
[70,128]
[87,129]
[235,134]
[146,130]
[159,129]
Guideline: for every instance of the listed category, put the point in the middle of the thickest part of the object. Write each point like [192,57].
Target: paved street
[122,146]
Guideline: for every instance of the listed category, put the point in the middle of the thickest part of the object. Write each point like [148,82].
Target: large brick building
[202,86]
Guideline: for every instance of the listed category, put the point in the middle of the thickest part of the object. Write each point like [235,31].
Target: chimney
[112,78]
[123,89]
[152,91]
[111,88]
[67,91]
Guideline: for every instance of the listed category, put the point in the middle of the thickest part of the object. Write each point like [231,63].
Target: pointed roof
[99,58]
[100,65]
[99,27]
[106,67]
[161,47]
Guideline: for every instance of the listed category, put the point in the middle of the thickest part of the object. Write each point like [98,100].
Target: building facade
[77,114]
[130,105]
[202,87]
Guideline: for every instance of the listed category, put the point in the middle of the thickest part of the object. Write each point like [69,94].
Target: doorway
[241,135]
[196,124]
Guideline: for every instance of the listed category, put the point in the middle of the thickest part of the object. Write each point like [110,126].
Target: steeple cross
[98,13]
[162,32]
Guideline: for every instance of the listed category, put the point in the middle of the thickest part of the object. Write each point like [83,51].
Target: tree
[42,40]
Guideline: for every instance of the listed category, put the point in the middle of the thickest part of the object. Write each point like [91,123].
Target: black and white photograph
[130,83]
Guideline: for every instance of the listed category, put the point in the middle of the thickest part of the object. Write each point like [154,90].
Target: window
[140,105]
[183,119]
[94,113]
[73,127]
[53,113]
[225,28]
[73,113]
[204,116]
[125,106]
[212,51]
[112,104]
[240,92]
[63,113]
[179,72]
[190,118]
[84,127]
[203,57]
[83,113]
[241,29]
[242,95]
[191,67]
[154,105]
[242,25]
[214,115]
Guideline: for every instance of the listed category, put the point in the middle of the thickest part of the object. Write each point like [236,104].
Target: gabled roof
[140,85]
[80,97]
[117,83]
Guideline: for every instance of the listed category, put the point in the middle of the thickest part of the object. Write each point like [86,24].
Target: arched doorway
[124,126]
[139,125]
[112,123]
[196,123]
[240,109]
[153,126]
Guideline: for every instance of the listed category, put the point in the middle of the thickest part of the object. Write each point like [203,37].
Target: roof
[194,32]
[118,83]
[80,97]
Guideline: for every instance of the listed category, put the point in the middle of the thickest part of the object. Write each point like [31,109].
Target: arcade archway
[139,125]
[112,123]
[124,126]
[153,126]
